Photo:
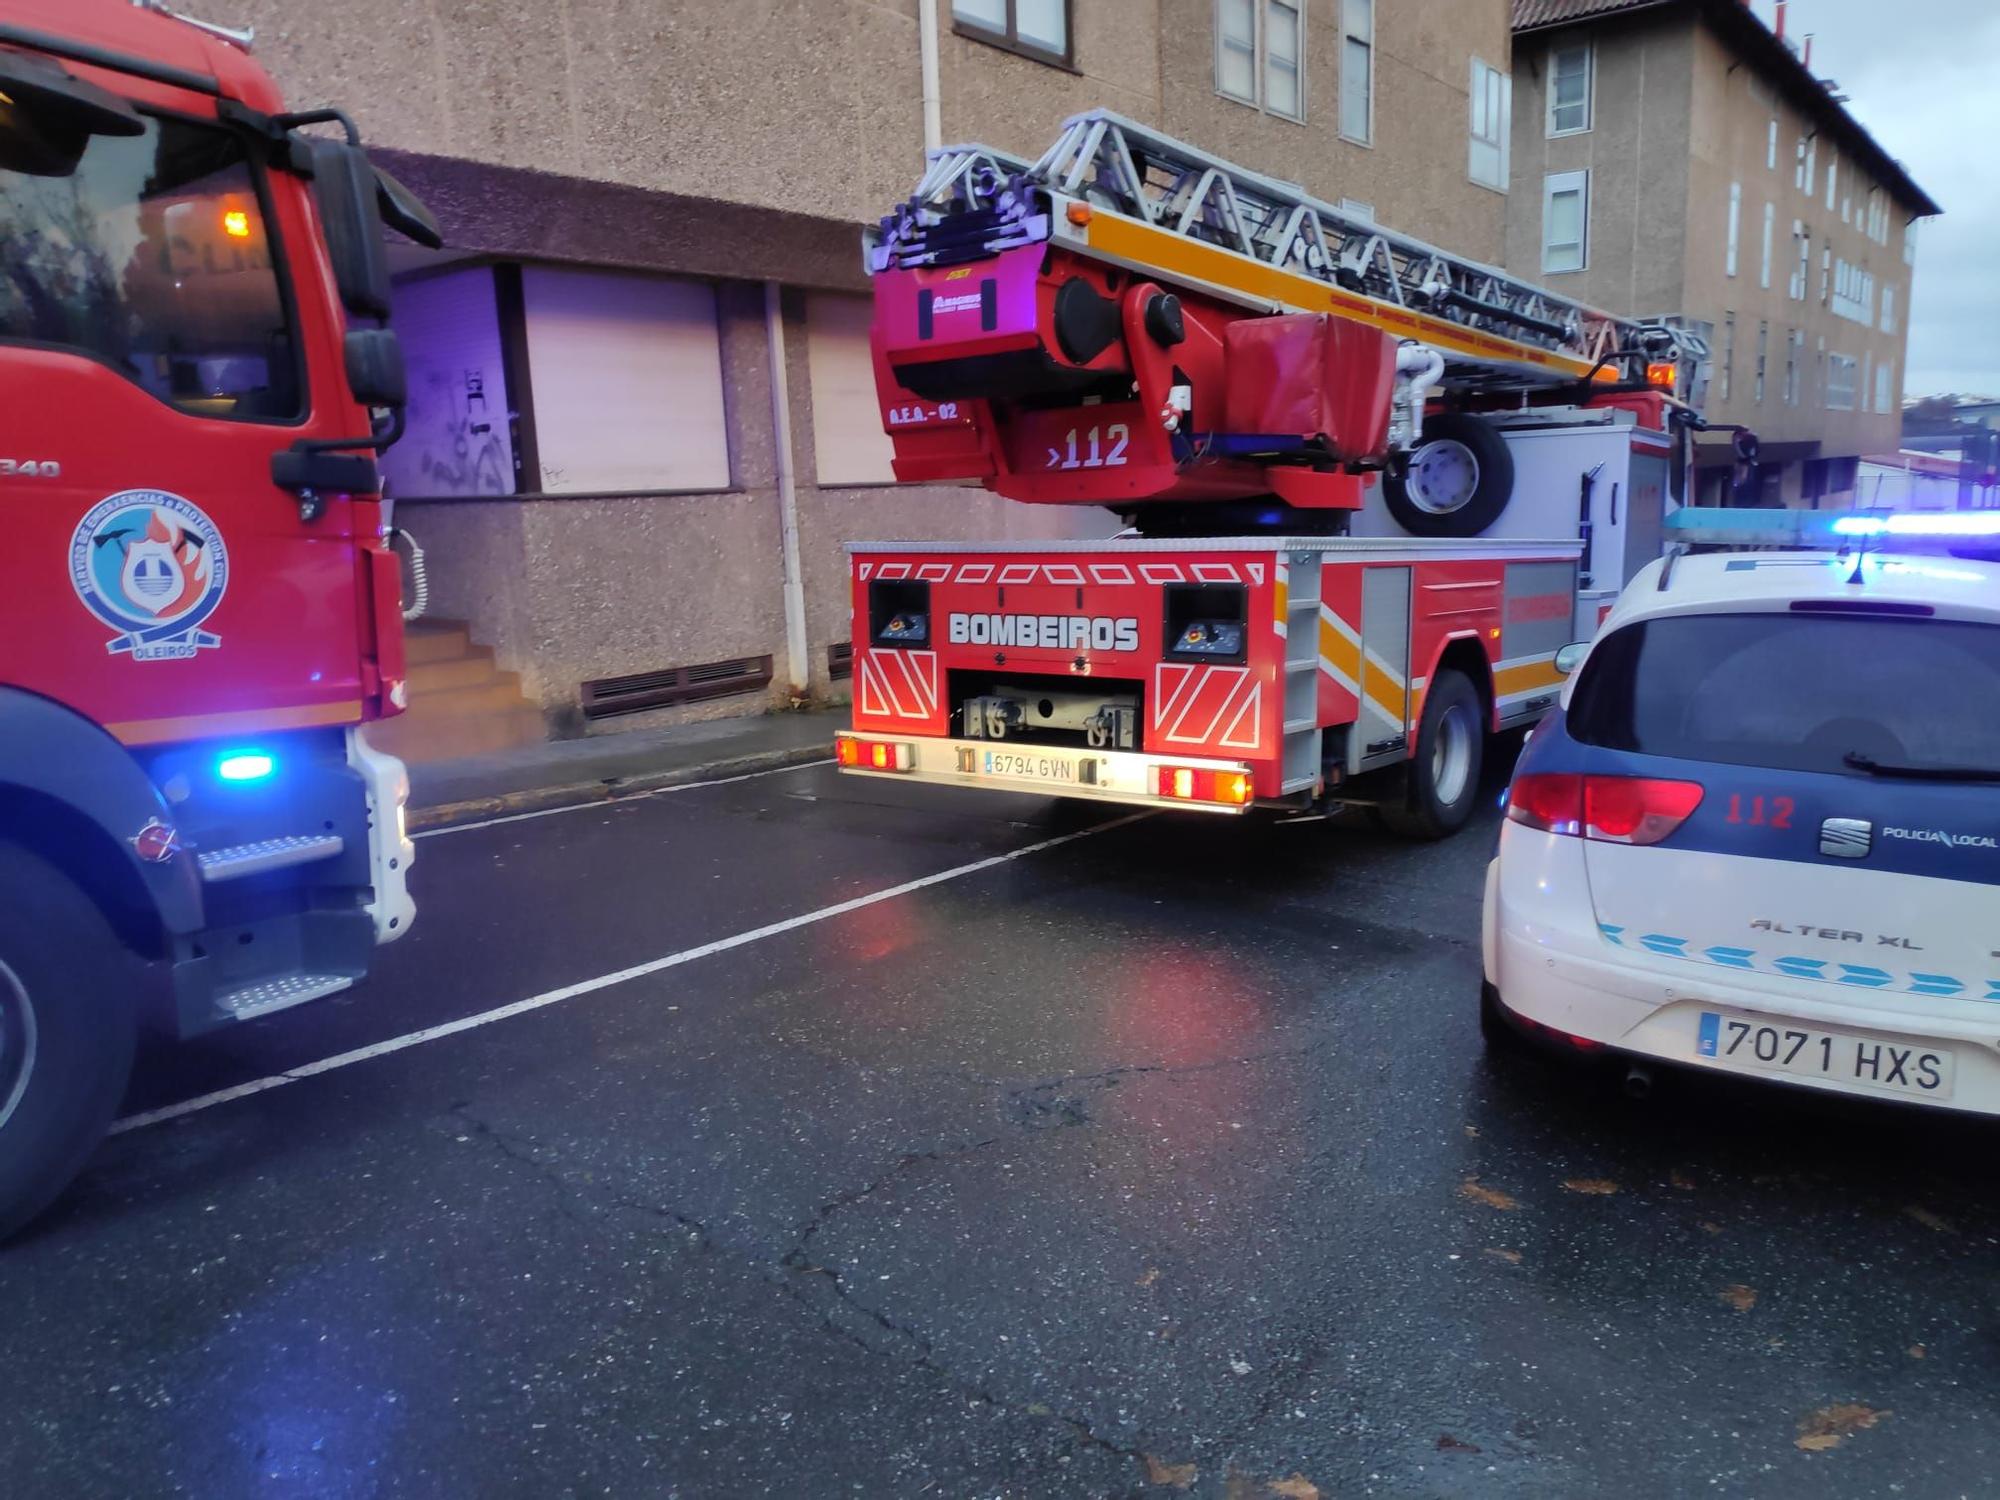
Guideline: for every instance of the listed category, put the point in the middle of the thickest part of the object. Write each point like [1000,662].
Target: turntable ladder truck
[1370,488]
[201,600]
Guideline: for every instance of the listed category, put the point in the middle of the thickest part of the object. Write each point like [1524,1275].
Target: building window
[1841,372]
[1570,77]
[1770,226]
[849,445]
[1033,28]
[1802,267]
[1492,115]
[1910,243]
[1728,354]
[457,437]
[1812,162]
[1853,292]
[1794,346]
[1832,177]
[626,373]
[1825,274]
[1888,309]
[1885,387]
[1259,55]
[1565,221]
[1771,146]
[1763,349]
[1357,70]
[1735,225]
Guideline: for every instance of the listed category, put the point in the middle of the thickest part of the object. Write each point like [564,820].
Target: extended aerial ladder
[1005,288]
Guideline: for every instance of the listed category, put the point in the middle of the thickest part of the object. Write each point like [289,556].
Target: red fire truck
[1370,489]
[202,605]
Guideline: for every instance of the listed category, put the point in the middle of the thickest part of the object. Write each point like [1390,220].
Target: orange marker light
[236,224]
[1078,214]
[1662,373]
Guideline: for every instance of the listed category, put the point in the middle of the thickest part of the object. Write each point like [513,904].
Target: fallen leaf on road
[1739,1296]
[1298,1487]
[1239,1367]
[1597,1186]
[1512,1257]
[1173,1476]
[1472,1132]
[1827,1427]
[1928,1219]
[1711,1227]
[1681,1180]
[1492,1197]
[1448,1444]
[1152,1275]
[1918,1351]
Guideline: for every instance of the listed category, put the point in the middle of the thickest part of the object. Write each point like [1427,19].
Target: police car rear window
[1795,692]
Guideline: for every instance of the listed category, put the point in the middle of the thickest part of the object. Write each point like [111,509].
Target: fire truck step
[240,860]
[268,995]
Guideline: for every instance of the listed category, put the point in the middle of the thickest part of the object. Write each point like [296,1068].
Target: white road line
[591,986]
[601,802]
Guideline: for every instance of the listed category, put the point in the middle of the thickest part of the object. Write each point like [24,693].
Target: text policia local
[1047,632]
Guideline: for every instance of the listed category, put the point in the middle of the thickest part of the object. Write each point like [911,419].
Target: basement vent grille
[608,696]
[840,661]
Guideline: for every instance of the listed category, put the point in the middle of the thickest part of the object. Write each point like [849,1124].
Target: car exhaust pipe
[1638,1082]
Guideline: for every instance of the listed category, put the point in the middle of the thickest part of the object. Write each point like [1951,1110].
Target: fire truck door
[1646,509]
[1382,733]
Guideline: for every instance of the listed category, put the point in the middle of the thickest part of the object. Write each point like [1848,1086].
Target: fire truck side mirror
[1571,657]
[375,367]
[345,187]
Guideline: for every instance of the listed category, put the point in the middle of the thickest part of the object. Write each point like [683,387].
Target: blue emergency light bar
[1829,530]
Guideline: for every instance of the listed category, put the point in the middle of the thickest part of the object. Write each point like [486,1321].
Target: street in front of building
[799,1134]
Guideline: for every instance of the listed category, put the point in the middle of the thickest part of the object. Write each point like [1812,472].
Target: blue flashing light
[1921,523]
[245,765]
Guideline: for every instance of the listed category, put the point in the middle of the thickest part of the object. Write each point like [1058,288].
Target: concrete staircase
[461,703]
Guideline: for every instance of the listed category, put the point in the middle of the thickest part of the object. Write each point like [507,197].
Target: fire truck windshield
[152,256]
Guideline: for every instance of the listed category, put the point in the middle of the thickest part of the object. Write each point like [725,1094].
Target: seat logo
[153,567]
[1846,838]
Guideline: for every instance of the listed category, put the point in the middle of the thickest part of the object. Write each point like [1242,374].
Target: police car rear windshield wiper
[1875,767]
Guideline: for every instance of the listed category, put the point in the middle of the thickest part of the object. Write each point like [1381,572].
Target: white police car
[1762,833]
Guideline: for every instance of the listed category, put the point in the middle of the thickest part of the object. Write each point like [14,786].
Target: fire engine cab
[1370,489]
[201,601]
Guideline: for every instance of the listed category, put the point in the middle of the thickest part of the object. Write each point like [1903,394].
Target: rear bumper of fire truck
[1212,786]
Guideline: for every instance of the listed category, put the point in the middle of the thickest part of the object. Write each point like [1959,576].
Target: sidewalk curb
[615,789]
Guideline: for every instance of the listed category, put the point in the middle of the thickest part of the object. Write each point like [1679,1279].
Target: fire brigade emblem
[153,567]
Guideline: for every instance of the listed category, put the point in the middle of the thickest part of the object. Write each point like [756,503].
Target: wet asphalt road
[1161,1161]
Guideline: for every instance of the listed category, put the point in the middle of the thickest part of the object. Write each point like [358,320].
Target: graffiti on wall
[457,440]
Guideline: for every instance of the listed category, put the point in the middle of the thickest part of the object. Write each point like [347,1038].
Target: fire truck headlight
[244,765]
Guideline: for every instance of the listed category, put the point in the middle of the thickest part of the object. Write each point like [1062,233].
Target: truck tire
[1440,785]
[68,1024]
[1457,481]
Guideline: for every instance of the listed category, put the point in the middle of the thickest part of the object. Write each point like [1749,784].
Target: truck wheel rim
[1443,476]
[17,1042]
[1451,757]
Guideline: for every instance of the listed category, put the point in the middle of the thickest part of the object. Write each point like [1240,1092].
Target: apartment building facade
[1680,157]
[642,423]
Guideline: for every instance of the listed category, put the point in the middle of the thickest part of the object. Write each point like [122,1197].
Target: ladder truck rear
[202,600]
[1370,489]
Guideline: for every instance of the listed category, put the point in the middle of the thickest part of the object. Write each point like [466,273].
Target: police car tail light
[1610,809]
[1551,802]
[1193,784]
[874,755]
[1636,809]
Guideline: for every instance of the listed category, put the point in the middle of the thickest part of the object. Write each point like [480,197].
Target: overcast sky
[1924,77]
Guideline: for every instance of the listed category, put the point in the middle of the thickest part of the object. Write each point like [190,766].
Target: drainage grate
[631,694]
[839,661]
